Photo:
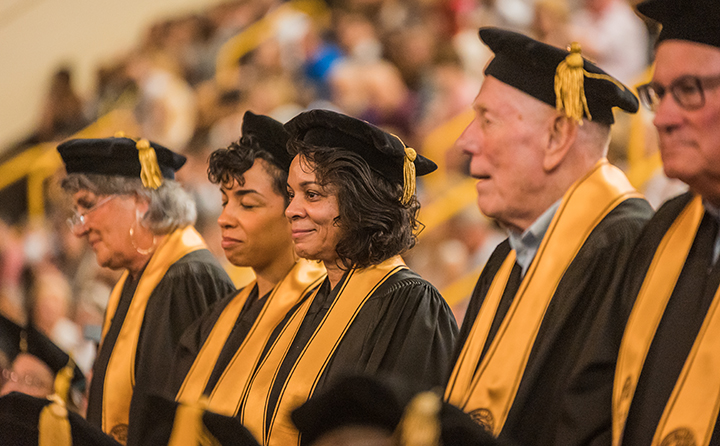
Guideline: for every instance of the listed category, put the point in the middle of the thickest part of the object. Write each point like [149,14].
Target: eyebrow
[239,192]
[85,202]
[243,192]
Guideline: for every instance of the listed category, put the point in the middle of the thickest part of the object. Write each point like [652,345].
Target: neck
[334,273]
[270,275]
[138,264]
[141,260]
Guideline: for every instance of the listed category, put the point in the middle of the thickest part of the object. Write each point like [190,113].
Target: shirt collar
[712,210]
[527,244]
[714,213]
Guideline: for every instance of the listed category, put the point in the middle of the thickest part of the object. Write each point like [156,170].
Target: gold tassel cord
[420,424]
[150,170]
[54,425]
[570,86]
[188,427]
[63,380]
[409,175]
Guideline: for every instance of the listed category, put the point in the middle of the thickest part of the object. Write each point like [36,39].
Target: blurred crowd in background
[410,66]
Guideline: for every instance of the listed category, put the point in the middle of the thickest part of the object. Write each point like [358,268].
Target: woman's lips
[297,233]
[229,242]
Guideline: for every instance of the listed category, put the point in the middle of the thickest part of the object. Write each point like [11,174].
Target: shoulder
[197,276]
[623,224]
[200,259]
[405,287]
[217,307]
[669,211]
[404,279]
[196,265]
[659,224]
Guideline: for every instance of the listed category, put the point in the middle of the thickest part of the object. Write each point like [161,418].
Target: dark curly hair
[375,224]
[230,164]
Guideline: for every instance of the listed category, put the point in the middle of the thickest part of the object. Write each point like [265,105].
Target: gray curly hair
[171,207]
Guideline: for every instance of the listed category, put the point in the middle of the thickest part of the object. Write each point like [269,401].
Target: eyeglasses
[78,219]
[27,379]
[688,91]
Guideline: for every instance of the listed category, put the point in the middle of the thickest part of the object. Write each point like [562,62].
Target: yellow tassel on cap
[54,425]
[119,134]
[570,86]
[150,170]
[409,175]
[420,424]
[188,427]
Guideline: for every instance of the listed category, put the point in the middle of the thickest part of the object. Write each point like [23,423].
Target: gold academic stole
[227,394]
[316,354]
[691,412]
[120,372]
[488,393]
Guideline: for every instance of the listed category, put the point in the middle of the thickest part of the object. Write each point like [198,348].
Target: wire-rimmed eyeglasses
[688,91]
[78,219]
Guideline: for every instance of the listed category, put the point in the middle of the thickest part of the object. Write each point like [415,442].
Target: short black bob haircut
[375,225]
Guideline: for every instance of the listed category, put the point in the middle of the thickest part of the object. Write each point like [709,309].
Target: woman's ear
[142,204]
[563,133]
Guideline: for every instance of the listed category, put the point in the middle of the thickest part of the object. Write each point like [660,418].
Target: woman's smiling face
[313,213]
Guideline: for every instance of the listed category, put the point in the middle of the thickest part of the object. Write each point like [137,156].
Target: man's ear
[563,133]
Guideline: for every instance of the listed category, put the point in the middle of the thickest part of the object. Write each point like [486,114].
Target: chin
[672,171]
[305,254]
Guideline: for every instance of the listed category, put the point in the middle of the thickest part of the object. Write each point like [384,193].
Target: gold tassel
[150,174]
[570,86]
[54,425]
[63,380]
[119,134]
[420,424]
[188,427]
[409,175]
[23,341]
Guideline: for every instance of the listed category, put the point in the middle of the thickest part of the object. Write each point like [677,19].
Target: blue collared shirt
[714,212]
[526,245]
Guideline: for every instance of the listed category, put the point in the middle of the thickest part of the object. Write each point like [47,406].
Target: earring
[141,251]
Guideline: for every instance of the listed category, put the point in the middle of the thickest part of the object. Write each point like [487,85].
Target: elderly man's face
[690,139]
[506,141]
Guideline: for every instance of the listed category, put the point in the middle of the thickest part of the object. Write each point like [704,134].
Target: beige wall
[36,36]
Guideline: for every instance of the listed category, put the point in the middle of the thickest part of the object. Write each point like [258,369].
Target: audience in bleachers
[409,66]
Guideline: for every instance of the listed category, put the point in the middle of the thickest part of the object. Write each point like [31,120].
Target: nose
[294,209]
[668,114]
[79,229]
[469,141]
[225,220]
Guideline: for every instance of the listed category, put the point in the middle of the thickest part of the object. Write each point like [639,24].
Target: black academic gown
[158,424]
[20,421]
[150,421]
[405,331]
[565,393]
[188,288]
[681,321]
[195,336]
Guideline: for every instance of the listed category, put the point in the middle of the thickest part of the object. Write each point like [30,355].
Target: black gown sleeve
[406,330]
